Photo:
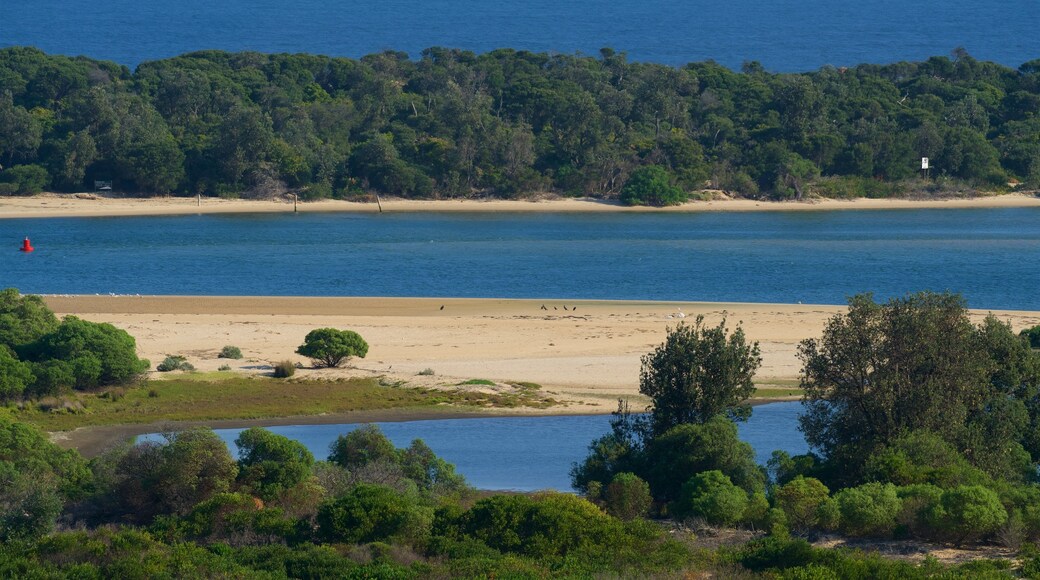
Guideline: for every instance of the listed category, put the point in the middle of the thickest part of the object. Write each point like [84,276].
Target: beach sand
[588,354]
[90,205]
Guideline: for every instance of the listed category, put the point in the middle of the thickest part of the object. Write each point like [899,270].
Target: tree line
[510,123]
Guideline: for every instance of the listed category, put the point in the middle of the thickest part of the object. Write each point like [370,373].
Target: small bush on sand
[284,369]
[232,352]
[174,362]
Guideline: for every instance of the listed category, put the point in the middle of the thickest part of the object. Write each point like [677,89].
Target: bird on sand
[442,307]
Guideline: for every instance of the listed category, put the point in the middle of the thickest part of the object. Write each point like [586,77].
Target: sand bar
[80,205]
[586,352]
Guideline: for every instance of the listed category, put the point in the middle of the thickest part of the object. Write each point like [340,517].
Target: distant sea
[784,35]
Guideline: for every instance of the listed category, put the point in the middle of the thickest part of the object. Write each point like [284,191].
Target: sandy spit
[90,205]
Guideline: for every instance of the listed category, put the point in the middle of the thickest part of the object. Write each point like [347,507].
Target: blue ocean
[785,35]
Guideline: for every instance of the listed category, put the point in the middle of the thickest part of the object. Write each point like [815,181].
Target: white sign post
[924,163]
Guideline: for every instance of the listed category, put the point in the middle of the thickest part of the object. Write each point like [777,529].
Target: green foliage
[698,373]
[968,512]
[712,496]
[15,376]
[26,179]
[23,319]
[255,125]
[651,185]
[430,473]
[150,479]
[803,500]
[174,362]
[869,510]
[99,353]
[329,347]
[372,513]
[362,446]
[270,464]
[284,369]
[1032,334]
[919,364]
[232,352]
[627,497]
[679,454]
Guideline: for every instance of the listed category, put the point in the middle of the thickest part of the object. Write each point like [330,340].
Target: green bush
[1032,335]
[969,512]
[27,179]
[174,363]
[869,510]
[372,513]
[651,185]
[712,496]
[23,319]
[919,502]
[284,369]
[100,354]
[627,497]
[803,501]
[232,352]
[329,347]
[15,376]
[270,464]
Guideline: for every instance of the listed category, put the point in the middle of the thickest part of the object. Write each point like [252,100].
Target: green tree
[880,371]
[270,464]
[698,373]
[329,347]
[429,472]
[368,513]
[651,185]
[362,446]
[969,512]
[15,376]
[26,179]
[869,509]
[23,319]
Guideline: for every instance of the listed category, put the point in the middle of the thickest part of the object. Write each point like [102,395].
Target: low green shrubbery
[174,362]
[232,352]
[284,369]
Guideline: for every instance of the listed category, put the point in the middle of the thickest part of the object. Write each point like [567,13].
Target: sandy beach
[587,354]
[90,205]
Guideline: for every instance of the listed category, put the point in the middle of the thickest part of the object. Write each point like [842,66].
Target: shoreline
[586,357]
[50,205]
[95,440]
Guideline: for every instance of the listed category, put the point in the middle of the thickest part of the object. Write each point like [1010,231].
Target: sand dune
[588,354]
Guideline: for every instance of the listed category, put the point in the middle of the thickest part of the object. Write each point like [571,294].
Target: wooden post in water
[200,200]
[379,204]
[295,200]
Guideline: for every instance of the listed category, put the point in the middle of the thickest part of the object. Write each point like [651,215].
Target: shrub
[100,354]
[174,362]
[712,496]
[371,513]
[15,375]
[284,369]
[269,464]
[329,347]
[28,179]
[23,319]
[232,352]
[224,368]
[1032,335]
[802,499]
[918,504]
[627,497]
[651,185]
[869,510]
[969,512]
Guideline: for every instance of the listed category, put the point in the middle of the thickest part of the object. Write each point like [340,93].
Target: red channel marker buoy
[26,246]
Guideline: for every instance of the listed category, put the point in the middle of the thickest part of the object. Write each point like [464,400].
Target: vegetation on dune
[510,123]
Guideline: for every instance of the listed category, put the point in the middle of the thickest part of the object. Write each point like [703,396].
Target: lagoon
[529,453]
[988,255]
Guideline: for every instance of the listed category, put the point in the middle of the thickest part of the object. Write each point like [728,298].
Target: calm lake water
[783,35]
[989,255]
[529,453]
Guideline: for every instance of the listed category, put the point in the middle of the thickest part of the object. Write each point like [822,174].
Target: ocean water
[785,35]
[991,256]
[529,453]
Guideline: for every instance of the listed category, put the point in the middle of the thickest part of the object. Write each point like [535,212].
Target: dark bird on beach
[442,307]
[565,307]
[555,308]
[573,308]
[543,307]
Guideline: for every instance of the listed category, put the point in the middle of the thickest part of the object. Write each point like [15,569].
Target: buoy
[26,246]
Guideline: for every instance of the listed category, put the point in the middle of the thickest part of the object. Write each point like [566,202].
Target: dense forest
[511,123]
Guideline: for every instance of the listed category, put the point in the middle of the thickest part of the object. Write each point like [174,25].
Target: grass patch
[772,393]
[188,398]
[484,382]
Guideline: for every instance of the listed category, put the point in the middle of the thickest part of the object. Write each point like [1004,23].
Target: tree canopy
[452,123]
[329,346]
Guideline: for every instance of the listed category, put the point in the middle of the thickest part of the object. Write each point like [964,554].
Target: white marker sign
[924,163]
